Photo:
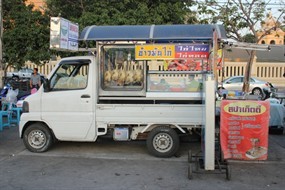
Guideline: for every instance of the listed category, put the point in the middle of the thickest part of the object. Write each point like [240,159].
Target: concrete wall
[267,71]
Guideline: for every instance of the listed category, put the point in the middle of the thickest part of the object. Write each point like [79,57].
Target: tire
[37,138]
[163,142]
[257,91]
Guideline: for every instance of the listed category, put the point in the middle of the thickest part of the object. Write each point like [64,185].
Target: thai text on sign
[192,51]
[185,51]
[244,129]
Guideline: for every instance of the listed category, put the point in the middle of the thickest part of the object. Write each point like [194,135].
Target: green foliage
[237,16]
[26,34]
[249,38]
[124,12]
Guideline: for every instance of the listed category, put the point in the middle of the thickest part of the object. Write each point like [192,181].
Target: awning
[159,33]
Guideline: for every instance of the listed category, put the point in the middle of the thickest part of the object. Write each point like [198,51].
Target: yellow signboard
[150,52]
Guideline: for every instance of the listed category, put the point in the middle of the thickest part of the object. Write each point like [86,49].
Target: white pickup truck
[116,92]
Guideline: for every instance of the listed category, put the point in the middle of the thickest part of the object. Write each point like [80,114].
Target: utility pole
[1,46]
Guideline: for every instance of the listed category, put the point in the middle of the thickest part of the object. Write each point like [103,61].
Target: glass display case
[165,80]
[121,74]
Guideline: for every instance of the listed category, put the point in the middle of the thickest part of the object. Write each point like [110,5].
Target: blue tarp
[160,33]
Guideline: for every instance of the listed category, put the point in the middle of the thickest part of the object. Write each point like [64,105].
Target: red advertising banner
[244,129]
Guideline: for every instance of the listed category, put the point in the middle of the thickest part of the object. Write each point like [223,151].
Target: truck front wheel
[163,142]
[37,138]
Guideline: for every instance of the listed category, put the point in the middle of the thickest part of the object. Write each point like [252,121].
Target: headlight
[25,108]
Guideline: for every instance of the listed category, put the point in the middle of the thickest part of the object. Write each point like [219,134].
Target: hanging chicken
[129,74]
[122,74]
[138,74]
[115,74]
[108,74]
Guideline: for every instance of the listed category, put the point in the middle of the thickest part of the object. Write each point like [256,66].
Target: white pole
[209,123]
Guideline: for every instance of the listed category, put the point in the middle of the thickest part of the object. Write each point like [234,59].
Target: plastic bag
[34,90]
[273,101]
[11,96]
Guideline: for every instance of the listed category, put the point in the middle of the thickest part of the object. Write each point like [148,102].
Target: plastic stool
[2,123]
[16,119]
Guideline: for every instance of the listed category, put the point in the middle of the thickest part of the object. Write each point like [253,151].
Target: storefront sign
[244,129]
[185,51]
[150,52]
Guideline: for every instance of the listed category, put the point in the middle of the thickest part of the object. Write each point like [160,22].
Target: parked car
[22,73]
[256,87]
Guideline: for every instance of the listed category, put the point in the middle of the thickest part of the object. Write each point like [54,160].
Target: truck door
[67,106]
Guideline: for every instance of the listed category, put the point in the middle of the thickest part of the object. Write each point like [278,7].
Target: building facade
[38,4]
[271,34]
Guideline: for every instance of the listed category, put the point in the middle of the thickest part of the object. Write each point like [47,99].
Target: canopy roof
[160,33]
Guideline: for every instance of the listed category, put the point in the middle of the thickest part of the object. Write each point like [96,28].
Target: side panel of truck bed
[147,113]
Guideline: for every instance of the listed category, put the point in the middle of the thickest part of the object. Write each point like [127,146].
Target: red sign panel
[244,129]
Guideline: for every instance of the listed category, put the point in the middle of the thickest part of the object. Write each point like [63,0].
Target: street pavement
[107,164]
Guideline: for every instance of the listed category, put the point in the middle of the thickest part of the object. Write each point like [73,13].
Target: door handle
[85,96]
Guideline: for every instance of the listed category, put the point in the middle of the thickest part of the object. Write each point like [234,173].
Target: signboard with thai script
[175,51]
[244,129]
[191,51]
[63,34]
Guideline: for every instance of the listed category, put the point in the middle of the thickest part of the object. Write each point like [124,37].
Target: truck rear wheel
[163,142]
[37,138]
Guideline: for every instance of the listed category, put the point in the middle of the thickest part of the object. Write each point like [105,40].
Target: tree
[238,16]
[249,38]
[124,12]
[26,34]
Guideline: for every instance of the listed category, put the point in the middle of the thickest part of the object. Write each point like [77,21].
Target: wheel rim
[37,139]
[257,92]
[162,142]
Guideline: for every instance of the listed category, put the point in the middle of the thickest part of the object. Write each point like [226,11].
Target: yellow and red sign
[173,51]
[244,129]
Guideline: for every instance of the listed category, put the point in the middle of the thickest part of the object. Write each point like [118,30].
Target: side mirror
[46,85]
[228,82]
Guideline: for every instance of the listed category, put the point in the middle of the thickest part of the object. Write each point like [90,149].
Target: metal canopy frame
[157,33]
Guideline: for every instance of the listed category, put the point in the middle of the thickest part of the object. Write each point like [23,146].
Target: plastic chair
[2,122]
[12,110]
[17,111]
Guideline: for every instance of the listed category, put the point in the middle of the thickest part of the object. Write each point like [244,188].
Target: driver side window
[71,76]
